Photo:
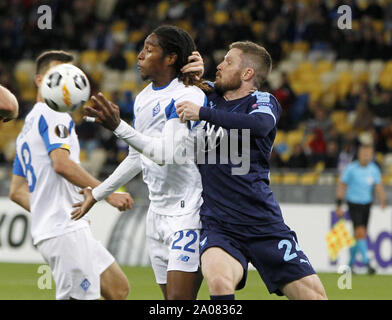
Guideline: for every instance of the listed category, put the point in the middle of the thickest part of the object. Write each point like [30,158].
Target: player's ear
[247,74]
[171,59]
[38,80]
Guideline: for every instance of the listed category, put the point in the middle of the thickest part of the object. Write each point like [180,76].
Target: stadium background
[335,87]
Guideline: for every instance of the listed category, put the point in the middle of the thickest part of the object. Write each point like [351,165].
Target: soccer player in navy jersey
[241,220]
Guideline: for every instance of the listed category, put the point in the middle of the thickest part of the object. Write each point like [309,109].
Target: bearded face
[228,76]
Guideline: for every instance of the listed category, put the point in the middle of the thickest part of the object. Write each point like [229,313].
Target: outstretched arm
[167,148]
[127,169]
[260,122]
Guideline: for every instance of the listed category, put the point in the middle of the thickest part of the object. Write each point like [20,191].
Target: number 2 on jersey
[287,254]
[30,175]
[189,234]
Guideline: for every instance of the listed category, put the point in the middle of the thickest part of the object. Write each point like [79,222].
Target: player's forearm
[381,194]
[259,125]
[75,174]
[22,198]
[125,172]
[340,191]
[161,150]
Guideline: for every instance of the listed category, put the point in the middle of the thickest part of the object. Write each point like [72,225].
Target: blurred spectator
[276,160]
[125,103]
[298,158]
[286,96]
[273,45]
[331,155]
[347,154]
[116,60]
[367,45]
[363,117]
[101,38]
[320,121]
[317,146]
[374,10]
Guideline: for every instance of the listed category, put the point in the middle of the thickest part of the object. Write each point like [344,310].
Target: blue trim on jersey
[160,88]
[264,104]
[71,125]
[195,123]
[17,169]
[43,131]
[170,111]
[211,84]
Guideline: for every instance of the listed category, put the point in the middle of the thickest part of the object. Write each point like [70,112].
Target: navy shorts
[273,250]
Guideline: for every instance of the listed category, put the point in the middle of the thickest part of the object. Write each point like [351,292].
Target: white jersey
[51,195]
[174,189]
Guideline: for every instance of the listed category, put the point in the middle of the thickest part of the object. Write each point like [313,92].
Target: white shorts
[77,261]
[173,243]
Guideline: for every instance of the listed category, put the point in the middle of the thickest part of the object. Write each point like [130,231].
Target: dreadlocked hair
[173,39]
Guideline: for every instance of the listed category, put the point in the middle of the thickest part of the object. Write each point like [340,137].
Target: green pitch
[20,281]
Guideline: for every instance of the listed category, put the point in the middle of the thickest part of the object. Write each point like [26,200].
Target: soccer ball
[65,88]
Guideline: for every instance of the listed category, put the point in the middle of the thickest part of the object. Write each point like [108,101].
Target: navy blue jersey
[242,199]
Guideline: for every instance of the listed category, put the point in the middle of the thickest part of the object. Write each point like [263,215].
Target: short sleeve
[56,133]
[17,168]
[345,177]
[377,175]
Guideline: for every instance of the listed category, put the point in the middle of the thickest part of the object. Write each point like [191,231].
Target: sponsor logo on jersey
[61,131]
[183,258]
[156,110]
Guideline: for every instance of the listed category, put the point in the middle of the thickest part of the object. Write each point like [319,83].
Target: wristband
[339,202]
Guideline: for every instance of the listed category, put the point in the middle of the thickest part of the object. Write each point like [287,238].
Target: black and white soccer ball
[65,88]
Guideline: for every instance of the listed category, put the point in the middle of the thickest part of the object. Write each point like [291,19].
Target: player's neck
[39,97]
[163,79]
[236,94]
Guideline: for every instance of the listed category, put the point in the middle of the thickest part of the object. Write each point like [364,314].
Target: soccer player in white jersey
[173,222]
[46,180]
[9,106]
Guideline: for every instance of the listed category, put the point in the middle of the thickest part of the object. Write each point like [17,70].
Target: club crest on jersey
[85,284]
[212,105]
[61,131]
[156,110]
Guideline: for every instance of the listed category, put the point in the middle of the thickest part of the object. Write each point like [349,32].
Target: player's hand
[120,200]
[195,65]
[104,111]
[339,212]
[84,206]
[188,111]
